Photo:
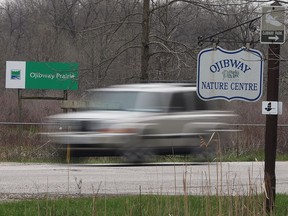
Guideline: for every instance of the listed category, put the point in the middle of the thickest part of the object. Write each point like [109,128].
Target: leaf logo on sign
[230,74]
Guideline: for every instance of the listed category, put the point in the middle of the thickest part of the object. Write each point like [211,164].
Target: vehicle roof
[150,87]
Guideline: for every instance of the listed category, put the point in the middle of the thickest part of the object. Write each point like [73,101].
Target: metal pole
[19,105]
[271,126]
[68,149]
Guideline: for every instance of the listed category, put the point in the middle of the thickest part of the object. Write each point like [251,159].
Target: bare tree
[121,41]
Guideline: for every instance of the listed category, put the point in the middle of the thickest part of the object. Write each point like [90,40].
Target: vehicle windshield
[125,101]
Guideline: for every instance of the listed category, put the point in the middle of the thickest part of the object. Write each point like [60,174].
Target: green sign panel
[42,75]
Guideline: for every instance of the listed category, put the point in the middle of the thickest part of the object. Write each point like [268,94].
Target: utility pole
[272,33]
[271,126]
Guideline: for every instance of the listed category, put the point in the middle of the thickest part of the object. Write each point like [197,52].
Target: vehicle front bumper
[100,139]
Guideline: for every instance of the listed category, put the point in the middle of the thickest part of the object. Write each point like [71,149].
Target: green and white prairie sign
[41,75]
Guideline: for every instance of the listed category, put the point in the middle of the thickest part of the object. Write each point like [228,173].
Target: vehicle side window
[195,103]
[152,102]
[177,103]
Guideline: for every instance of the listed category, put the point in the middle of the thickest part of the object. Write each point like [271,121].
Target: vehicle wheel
[59,153]
[62,155]
[137,155]
[137,149]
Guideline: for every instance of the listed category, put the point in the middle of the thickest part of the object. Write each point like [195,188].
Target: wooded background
[126,41]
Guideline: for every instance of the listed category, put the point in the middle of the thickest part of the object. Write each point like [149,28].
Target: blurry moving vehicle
[137,120]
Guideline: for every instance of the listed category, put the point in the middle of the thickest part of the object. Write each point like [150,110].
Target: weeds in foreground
[206,204]
[146,205]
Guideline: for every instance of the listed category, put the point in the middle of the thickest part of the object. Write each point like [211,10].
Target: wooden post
[271,127]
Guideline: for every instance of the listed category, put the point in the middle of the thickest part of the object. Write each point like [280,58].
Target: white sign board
[272,25]
[15,74]
[271,107]
[230,75]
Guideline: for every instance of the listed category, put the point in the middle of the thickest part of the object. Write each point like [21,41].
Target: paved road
[22,180]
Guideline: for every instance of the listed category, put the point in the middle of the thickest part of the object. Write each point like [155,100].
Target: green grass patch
[228,157]
[253,156]
[145,205]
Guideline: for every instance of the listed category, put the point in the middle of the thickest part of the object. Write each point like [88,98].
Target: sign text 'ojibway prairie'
[230,75]
[42,75]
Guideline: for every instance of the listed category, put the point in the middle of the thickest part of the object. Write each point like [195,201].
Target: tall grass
[213,200]
[146,205]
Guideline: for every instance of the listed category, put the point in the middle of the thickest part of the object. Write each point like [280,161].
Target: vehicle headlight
[88,125]
[69,125]
[105,127]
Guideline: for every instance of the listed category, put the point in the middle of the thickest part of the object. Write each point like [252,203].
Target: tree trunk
[145,42]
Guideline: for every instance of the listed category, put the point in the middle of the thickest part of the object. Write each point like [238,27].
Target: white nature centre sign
[230,75]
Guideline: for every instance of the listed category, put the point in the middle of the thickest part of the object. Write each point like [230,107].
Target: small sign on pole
[271,108]
[272,25]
